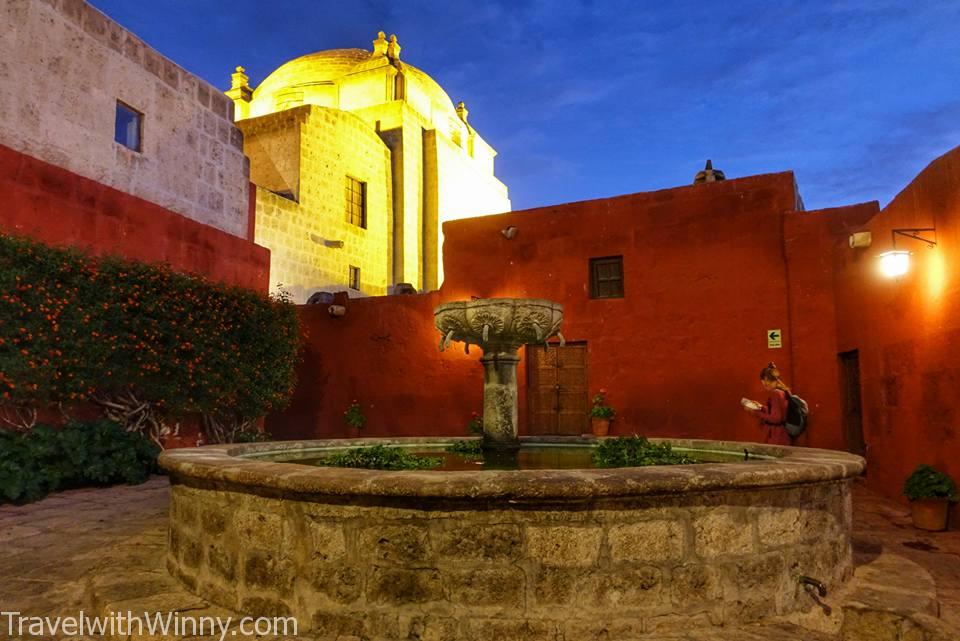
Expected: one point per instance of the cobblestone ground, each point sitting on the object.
(52, 551)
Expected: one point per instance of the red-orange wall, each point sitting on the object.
(809, 240)
(58, 207)
(907, 331)
(706, 269)
(705, 278)
(382, 353)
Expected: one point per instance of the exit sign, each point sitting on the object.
(774, 339)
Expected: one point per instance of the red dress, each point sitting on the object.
(773, 417)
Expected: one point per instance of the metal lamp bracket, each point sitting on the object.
(915, 233)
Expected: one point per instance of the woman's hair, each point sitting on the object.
(771, 374)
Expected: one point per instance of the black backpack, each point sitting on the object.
(797, 415)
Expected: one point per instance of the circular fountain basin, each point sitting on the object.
(530, 554)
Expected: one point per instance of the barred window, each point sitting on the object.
(355, 278)
(606, 277)
(356, 202)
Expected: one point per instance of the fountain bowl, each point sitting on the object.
(498, 324)
(532, 554)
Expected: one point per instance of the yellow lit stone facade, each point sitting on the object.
(328, 117)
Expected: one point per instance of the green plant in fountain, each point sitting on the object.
(354, 416)
(381, 457)
(636, 451)
(600, 409)
(927, 482)
(472, 449)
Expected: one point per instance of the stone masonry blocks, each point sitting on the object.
(368, 569)
(564, 546)
(647, 541)
(73, 127)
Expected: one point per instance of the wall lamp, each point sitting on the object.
(896, 262)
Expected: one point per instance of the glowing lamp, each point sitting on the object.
(894, 263)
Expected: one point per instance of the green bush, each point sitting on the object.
(78, 328)
(636, 451)
(44, 460)
(927, 482)
(380, 457)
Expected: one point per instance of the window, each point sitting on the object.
(606, 277)
(399, 87)
(355, 278)
(128, 130)
(356, 202)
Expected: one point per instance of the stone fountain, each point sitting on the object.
(499, 326)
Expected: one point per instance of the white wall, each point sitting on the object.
(63, 66)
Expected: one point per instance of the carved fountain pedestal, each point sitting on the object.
(500, 326)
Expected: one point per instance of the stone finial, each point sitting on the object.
(393, 48)
(462, 111)
(240, 93)
(380, 44)
(240, 80)
(708, 175)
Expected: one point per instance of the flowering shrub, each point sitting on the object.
(354, 416)
(600, 409)
(146, 343)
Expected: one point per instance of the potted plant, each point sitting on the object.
(601, 414)
(475, 426)
(930, 492)
(354, 417)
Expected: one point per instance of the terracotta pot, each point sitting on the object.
(600, 426)
(929, 514)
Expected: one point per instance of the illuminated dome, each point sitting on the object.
(344, 79)
(322, 67)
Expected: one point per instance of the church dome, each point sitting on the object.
(321, 67)
(316, 78)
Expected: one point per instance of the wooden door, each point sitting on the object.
(557, 389)
(852, 406)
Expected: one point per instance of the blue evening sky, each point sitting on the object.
(586, 99)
